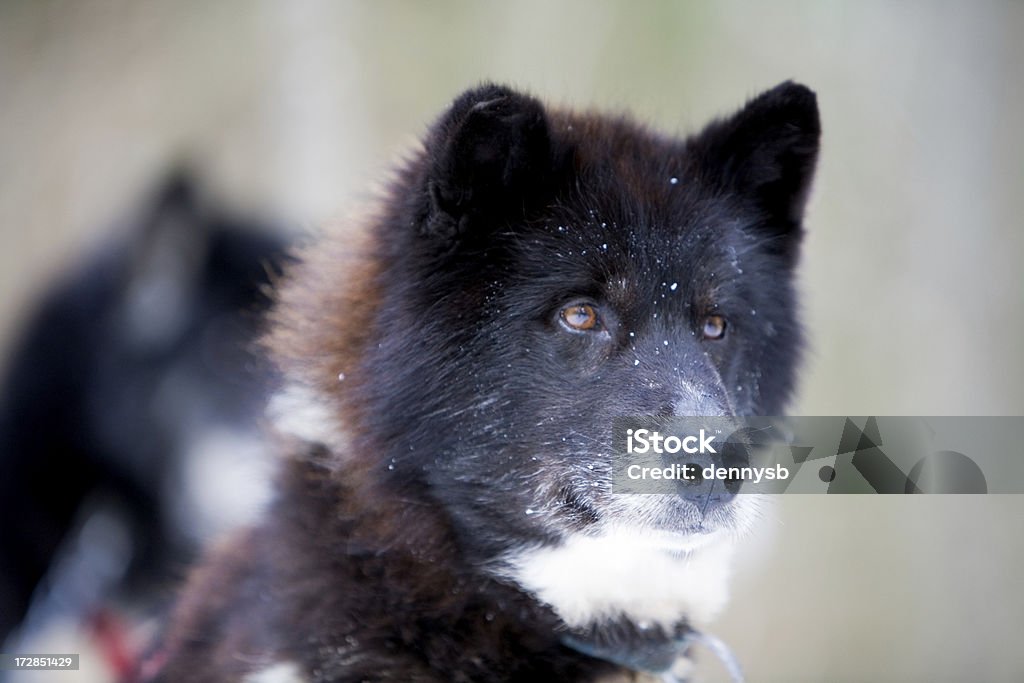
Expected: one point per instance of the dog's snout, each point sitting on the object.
(712, 473)
(699, 400)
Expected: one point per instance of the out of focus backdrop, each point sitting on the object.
(288, 113)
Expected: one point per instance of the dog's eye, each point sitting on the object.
(580, 317)
(714, 327)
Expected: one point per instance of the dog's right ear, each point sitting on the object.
(486, 156)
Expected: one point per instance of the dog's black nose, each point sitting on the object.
(712, 479)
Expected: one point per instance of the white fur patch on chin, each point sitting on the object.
(282, 672)
(588, 579)
(304, 413)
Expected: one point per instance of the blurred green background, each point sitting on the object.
(913, 292)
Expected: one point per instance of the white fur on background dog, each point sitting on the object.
(282, 672)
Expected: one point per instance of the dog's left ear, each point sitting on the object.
(766, 152)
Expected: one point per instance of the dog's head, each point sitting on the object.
(538, 273)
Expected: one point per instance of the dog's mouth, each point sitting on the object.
(679, 542)
(682, 534)
(663, 522)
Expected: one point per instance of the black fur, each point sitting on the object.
(491, 155)
(477, 421)
(98, 396)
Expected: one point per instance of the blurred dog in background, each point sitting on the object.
(129, 396)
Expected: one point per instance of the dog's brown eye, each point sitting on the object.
(714, 327)
(581, 317)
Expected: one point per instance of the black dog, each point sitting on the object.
(445, 512)
(134, 371)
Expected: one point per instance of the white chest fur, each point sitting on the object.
(588, 579)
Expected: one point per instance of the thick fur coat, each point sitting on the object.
(444, 512)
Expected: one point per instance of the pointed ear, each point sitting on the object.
(766, 152)
(167, 255)
(487, 156)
